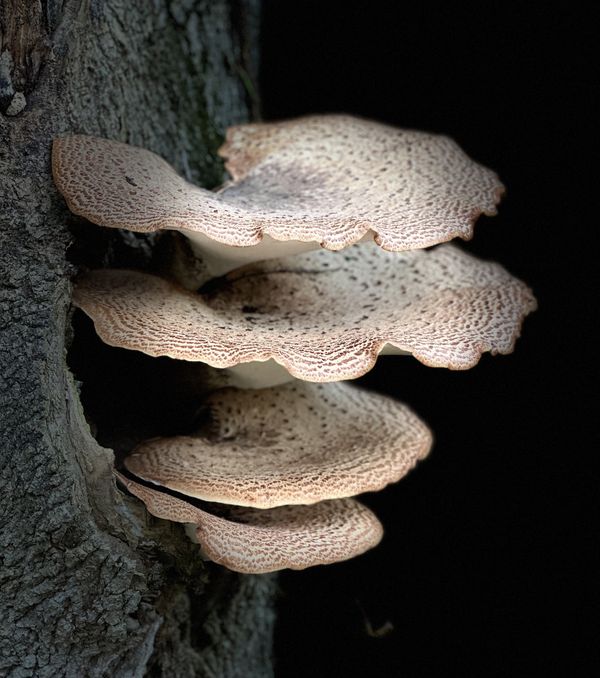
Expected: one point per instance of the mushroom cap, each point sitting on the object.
(254, 541)
(333, 178)
(328, 180)
(324, 316)
(295, 444)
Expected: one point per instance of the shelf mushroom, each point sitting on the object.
(255, 541)
(325, 180)
(295, 444)
(322, 316)
(285, 460)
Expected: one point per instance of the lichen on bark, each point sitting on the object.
(89, 586)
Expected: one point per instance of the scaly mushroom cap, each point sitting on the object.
(323, 316)
(324, 180)
(255, 541)
(335, 177)
(295, 444)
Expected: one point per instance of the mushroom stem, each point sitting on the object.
(191, 532)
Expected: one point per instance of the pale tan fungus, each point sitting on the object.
(296, 444)
(324, 180)
(255, 541)
(324, 316)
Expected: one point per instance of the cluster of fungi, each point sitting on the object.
(315, 254)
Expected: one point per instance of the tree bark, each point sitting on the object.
(88, 585)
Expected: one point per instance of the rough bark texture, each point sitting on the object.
(89, 587)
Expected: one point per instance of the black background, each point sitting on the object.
(484, 566)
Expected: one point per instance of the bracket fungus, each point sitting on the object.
(328, 180)
(282, 463)
(295, 444)
(323, 316)
(257, 541)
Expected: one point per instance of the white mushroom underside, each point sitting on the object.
(220, 258)
(256, 374)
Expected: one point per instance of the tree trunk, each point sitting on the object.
(88, 586)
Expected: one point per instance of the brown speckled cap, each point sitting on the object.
(324, 316)
(255, 541)
(327, 180)
(295, 444)
(345, 175)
